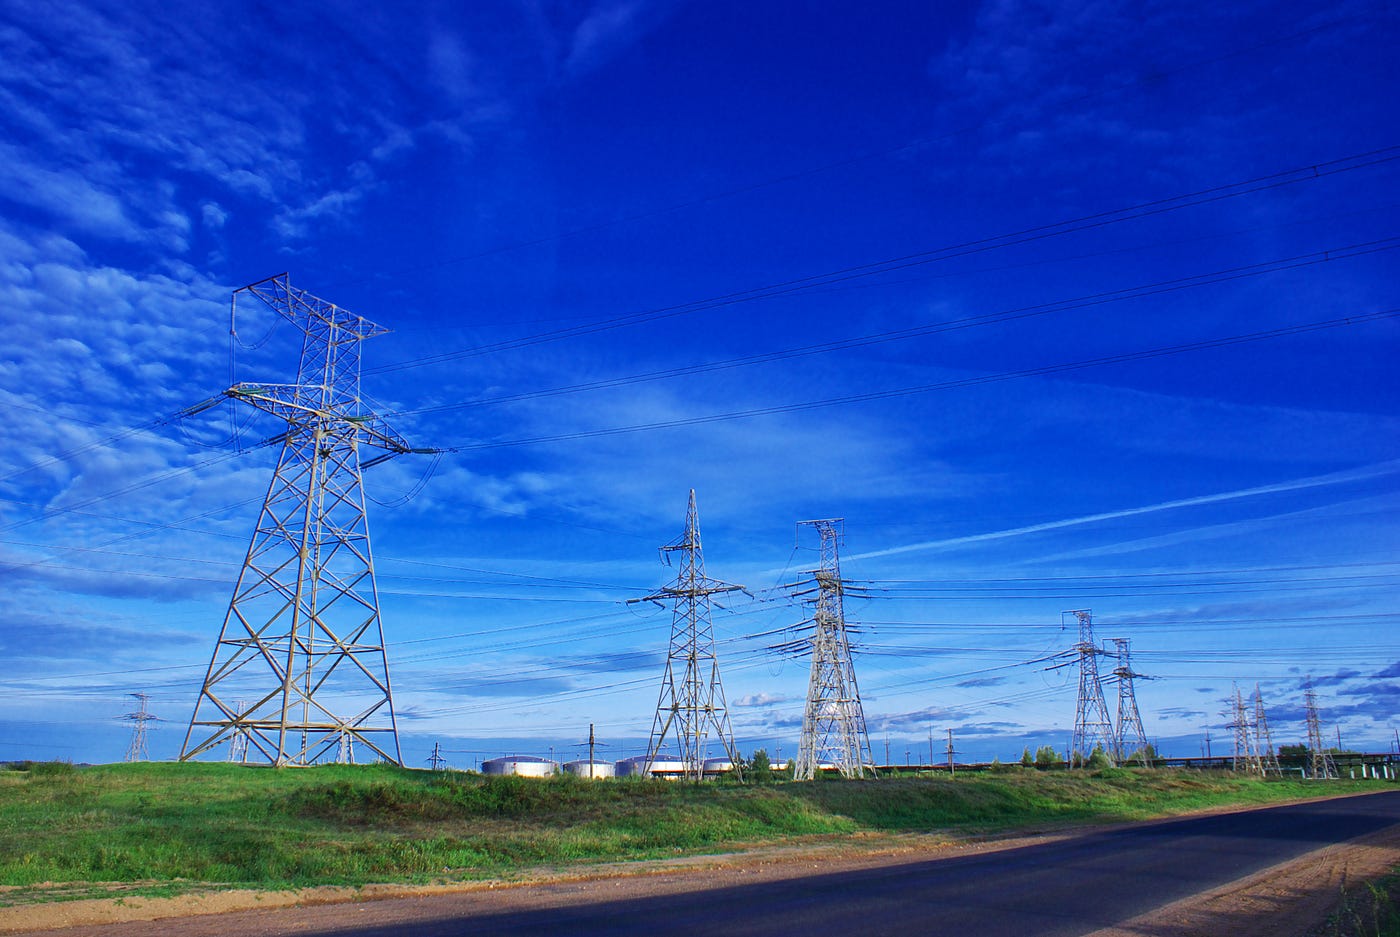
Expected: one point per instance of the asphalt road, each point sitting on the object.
(1068, 887)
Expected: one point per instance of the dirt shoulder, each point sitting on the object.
(1305, 890)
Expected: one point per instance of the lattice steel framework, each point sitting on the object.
(1092, 725)
(1321, 764)
(136, 749)
(1263, 738)
(691, 703)
(302, 639)
(833, 721)
(238, 741)
(1129, 726)
(1246, 757)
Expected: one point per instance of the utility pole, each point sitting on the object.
(435, 761)
(1091, 721)
(930, 746)
(1129, 719)
(691, 701)
(1263, 738)
(591, 743)
(887, 748)
(833, 720)
(136, 749)
(951, 769)
(1207, 744)
(1323, 767)
(302, 637)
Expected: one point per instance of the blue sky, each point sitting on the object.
(1059, 305)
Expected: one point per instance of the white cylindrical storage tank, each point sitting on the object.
(590, 769)
(662, 766)
(526, 766)
(714, 767)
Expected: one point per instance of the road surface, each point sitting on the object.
(1115, 881)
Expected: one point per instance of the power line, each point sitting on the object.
(1132, 78)
(1041, 371)
(974, 321)
(919, 258)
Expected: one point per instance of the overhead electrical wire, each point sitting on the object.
(1040, 371)
(919, 258)
(1108, 296)
(920, 331)
(1128, 79)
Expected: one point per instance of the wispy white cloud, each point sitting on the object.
(1317, 481)
(1218, 531)
(761, 700)
(608, 27)
(106, 107)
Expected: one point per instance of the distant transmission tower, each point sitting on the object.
(691, 702)
(1263, 738)
(1323, 767)
(435, 761)
(238, 741)
(1092, 725)
(833, 721)
(136, 750)
(1246, 758)
(1129, 719)
(302, 638)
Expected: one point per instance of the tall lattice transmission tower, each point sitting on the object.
(1129, 728)
(691, 704)
(1263, 738)
(238, 741)
(136, 749)
(1322, 766)
(1092, 725)
(302, 638)
(833, 721)
(1246, 757)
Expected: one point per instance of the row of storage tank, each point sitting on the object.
(663, 766)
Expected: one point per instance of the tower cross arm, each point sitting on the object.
(700, 587)
(289, 402)
(307, 311)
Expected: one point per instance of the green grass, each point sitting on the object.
(191, 825)
(1371, 909)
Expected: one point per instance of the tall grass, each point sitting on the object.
(228, 824)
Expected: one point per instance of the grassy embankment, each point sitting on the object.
(177, 827)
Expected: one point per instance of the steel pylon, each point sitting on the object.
(1129, 727)
(1092, 725)
(1263, 738)
(1322, 767)
(302, 639)
(833, 720)
(691, 703)
(1246, 757)
(136, 750)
